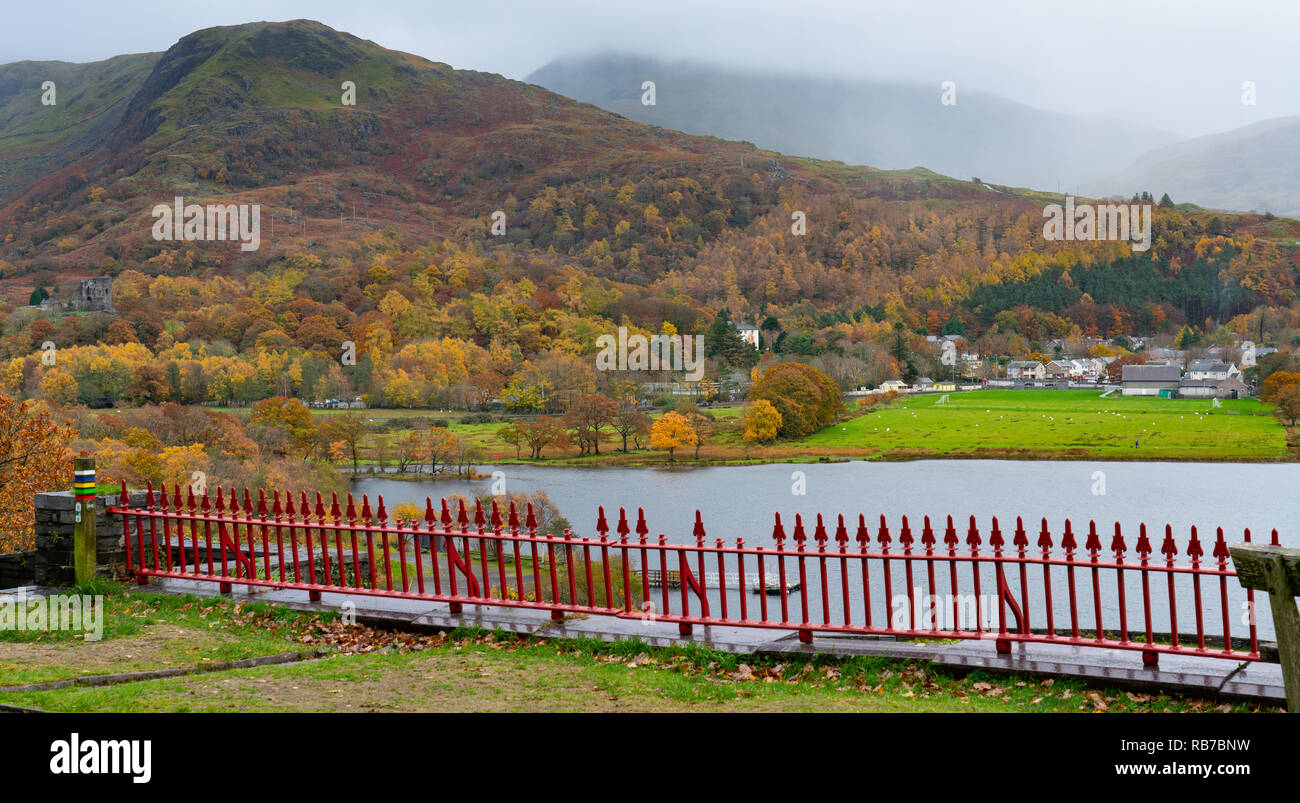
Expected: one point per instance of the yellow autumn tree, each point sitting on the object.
(672, 431)
(762, 422)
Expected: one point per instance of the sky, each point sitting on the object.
(1179, 65)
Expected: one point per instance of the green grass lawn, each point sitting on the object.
(365, 669)
(1065, 423)
(151, 631)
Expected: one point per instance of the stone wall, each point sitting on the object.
(54, 564)
(17, 569)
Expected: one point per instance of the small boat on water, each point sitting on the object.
(773, 586)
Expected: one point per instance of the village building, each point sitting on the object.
(748, 333)
(1151, 380)
(1026, 370)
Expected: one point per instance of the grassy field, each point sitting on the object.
(1024, 424)
(364, 669)
(1064, 423)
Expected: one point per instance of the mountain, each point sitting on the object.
(883, 124)
(1250, 168)
(89, 100)
(378, 222)
(253, 113)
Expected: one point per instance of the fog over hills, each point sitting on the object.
(889, 125)
(1253, 168)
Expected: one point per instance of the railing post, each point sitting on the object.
(1276, 570)
(83, 533)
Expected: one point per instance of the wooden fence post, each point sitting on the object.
(84, 553)
(1276, 570)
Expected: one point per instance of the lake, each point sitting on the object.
(739, 501)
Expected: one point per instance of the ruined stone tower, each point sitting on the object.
(94, 295)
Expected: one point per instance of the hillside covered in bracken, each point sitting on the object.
(376, 230)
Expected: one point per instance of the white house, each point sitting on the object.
(1212, 369)
(748, 333)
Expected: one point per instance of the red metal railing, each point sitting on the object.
(839, 583)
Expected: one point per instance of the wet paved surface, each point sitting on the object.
(1187, 675)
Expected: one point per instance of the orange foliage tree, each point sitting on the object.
(34, 457)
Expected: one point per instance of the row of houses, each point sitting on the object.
(1087, 369)
(1205, 379)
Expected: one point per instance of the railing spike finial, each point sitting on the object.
(1144, 543)
(905, 536)
(382, 512)
(927, 536)
(530, 520)
(799, 535)
(336, 511)
(320, 506)
(276, 510)
(261, 503)
(1067, 539)
(819, 533)
(841, 533)
(479, 518)
(698, 530)
(124, 498)
(622, 528)
(602, 526)
(1093, 542)
(778, 530)
(973, 536)
(148, 494)
(446, 515)
(1169, 547)
(1221, 549)
(1117, 544)
(1194, 550)
(882, 534)
(248, 502)
(1021, 538)
(462, 515)
(496, 516)
(288, 510)
(995, 538)
(950, 538)
(1045, 538)
(513, 520)
(162, 496)
(863, 537)
(366, 513)
(429, 516)
(177, 502)
(1275, 543)
(642, 528)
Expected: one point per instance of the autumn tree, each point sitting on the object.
(1287, 403)
(514, 435)
(806, 398)
(542, 432)
(349, 429)
(290, 417)
(1273, 385)
(762, 422)
(34, 457)
(672, 431)
(587, 417)
(630, 422)
(701, 422)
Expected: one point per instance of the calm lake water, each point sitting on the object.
(739, 501)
